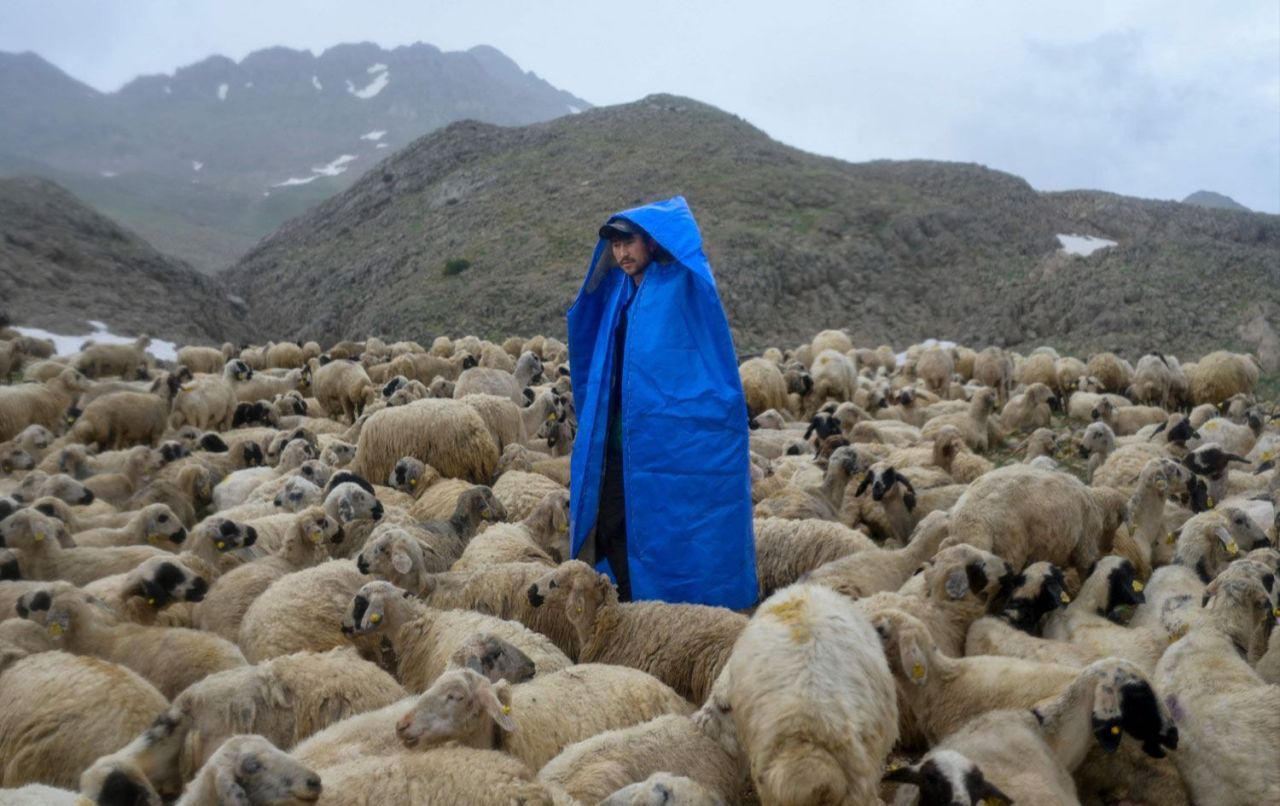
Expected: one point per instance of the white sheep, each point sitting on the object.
(879, 569)
(39, 540)
(300, 611)
(812, 699)
(250, 770)
(444, 775)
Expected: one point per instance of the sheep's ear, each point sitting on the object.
(904, 775)
(862, 485)
(401, 561)
(496, 700)
(912, 656)
(908, 497)
(229, 790)
(957, 584)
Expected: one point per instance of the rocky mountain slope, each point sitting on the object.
(208, 160)
(1207, 198)
(63, 264)
(893, 251)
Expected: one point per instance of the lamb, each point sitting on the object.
(895, 508)
(39, 538)
(443, 775)
(154, 524)
(636, 633)
(787, 548)
(823, 502)
(223, 608)
(1025, 514)
(878, 569)
(120, 419)
(975, 425)
(1128, 420)
(424, 639)
(1220, 375)
(1032, 754)
(994, 368)
(762, 385)
(301, 611)
(284, 700)
(142, 593)
(209, 401)
(1223, 707)
(250, 769)
(805, 742)
(27, 404)
(343, 388)
(447, 434)
(1029, 410)
(703, 747)
(207, 360)
(84, 625)
(1088, 620)
(551, 712)
(63, 711)
(1081, 404)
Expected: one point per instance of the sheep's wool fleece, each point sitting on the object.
(684, 426)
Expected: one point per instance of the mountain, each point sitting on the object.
(206, 161)
(1207, 198)
(894, 251)
(63, 264)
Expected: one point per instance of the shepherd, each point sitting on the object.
(661, 486)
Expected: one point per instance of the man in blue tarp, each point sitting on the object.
(661, 490)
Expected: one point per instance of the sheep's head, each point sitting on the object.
(35, 438)
(494, 658)
(225, 535)
(394, 555)
(14, 458)
(1210, 460)
(478, 504)
(1111, 584)
(376, 606)
(1034, 593)
(581, 590)
(1124, 702)
(295, 453)
(1245, 531)
(824, 425)
(549, 523)
(297, 494)
(409, 474)
(983, 403)
(9, 568)
(960, 571)
(237, 371)
(882, 479)
(116, 779)
(908, 645)
(60, 486)
(32, 530)
(173, 450)
(312, 538)
(61, 608)
(160, 581)
(338, 454)
(250, 769)
(1241, 609)
(161, 526)
(461, 705)
(947, 777)
(348, 501)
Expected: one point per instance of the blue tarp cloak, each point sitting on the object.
(684, 425)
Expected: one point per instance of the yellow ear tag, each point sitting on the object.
(917, 672)
(893, 766)
(506, 709)
(151, 601)
(1171, 538)
(578, 610)
(1065, 598)
(187, 387)
(153, 539)
(39, 536)
(1115, 730)
(1137, 586)
(55, 629)
(1210, 502)
(1232, 548)
(1275, 611)
(413, 482)
(551, 416)
(374, 618)
(316, 534)
(221, 545)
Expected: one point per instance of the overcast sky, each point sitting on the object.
(1153, 98)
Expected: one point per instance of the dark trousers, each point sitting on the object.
(611, 526)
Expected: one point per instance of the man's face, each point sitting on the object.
(632, 254)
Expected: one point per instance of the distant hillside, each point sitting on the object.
(62, 264)
(1207, 198)
(208, 160)
(894, 251)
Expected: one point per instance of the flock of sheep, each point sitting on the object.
(271, 575)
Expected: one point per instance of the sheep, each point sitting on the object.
(703, 747)
(1128, 420)
(206, 360)
(812, 699)
(1029, 410)
(142, 593)
(446, 434)
(787, 548)
(443, 775)
(1033, 753)
(155, 525)
(502, 417)
(896, 507)
(1233, 438)
(45, 404)
(834, 377)
(486, 380)
(209, 401)
(225, 604)
(1088, 620)
(39, 537)
(63, 711)
(84, 625)
(948, 453)
(37, 484)
(251, 770)
(536, 720)
(1152, 381)
(634, 633)
(1211, 461)
(818, 502)
(762, 385)
(285, 700)
(300, 611)
(1220, 375)
(935, 367)
(541, 537)
(661, 788)
(1081, 404)
(994, 368)
(1025, 514)
(520, 492)
(266, 387)
(1038, 590)
(974, 425)
(127, 361)
(423, 639)
(877, 569)
(121, 419)
(343, 388)
(1159, 479)
(1112, 372)
(1222, 706)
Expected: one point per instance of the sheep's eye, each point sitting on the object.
(163, 519)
